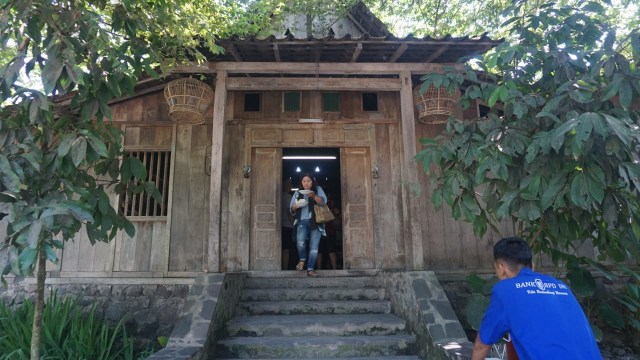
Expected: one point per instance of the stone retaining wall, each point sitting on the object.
(150, 306)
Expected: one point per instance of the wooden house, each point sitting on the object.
(345, 90)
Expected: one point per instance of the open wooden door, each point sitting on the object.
(359, 248)
(264, 244)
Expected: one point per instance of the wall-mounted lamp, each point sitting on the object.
(246, 171)
(375, 172)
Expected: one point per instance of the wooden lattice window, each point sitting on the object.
(158, 165)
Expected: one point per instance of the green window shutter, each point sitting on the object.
(331, 102)
(291, 100)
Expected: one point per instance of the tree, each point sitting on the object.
(558, 152)
(59, 153)
(439, 18)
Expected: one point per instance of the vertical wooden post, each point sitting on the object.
(217, 135)
(410, 208)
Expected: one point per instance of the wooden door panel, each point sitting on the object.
(264, 245)
(359, 249)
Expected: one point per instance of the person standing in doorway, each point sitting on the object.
(288, 243)
(541, 315)
(304, 225)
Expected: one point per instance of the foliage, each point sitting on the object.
(438, 18)
(557, 153)
(68, 333)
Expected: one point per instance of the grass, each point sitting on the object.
(68, 332)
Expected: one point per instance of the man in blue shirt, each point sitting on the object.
(543, 318)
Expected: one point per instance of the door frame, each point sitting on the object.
(291, 135)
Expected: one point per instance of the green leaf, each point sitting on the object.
(610, 316)
(33, 235)
(137, 168)
(585, 125)
(51, 253)
(579, 191)
(495, 95)
(505, 201)
(582, 282)
(27, 260)
(52, 70)
(104, 205)
(129, 228)
(619, 128)
(78, 150)
(33, 159)
(98, 146)
(80, 214)
(8, 177)
(475, 309)
(625, 94)
(65, 144)
(555, 185)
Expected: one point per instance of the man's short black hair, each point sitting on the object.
(513, 250)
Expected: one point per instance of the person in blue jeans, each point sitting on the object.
(304, 225)
(540, 313)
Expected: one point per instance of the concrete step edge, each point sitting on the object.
(313, 307)
(400, 357)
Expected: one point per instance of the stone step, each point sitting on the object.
(312, 294)
(313, 307)
(395, 357)
(274, 274)
(332, 347)
(306, 282)
(318, 325)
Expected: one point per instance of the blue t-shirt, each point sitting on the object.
(543, 317)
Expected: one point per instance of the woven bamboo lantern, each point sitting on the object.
(188, 100)
(436, 104)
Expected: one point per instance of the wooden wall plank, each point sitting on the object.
(236, 211)
(395, 149)
(159, 247)
(385, 208)
(143, 241)
(217, 136)
(413, 234)
(264, 246)
(180, 255)
(357, 207)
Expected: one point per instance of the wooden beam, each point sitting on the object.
(399, 51)
(276, 51)
(302, 84)
(328, 68)
(215, 194)
(436, 54)
(409, 175)
(234, 52)
(356, 53)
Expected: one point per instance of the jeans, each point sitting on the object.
(304, 228)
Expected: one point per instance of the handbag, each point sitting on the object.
(323, 214)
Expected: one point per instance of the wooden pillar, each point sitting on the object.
(217, 135)
(410, 206)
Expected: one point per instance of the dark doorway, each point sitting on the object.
(324, 164)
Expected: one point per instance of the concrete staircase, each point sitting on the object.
(342, 315)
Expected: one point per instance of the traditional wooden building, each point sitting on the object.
(344, 92)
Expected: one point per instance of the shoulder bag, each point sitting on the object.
(323, 214)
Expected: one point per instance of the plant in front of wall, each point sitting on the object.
(477, 304)
(68, 332)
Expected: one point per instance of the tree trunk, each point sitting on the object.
(37, 315)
